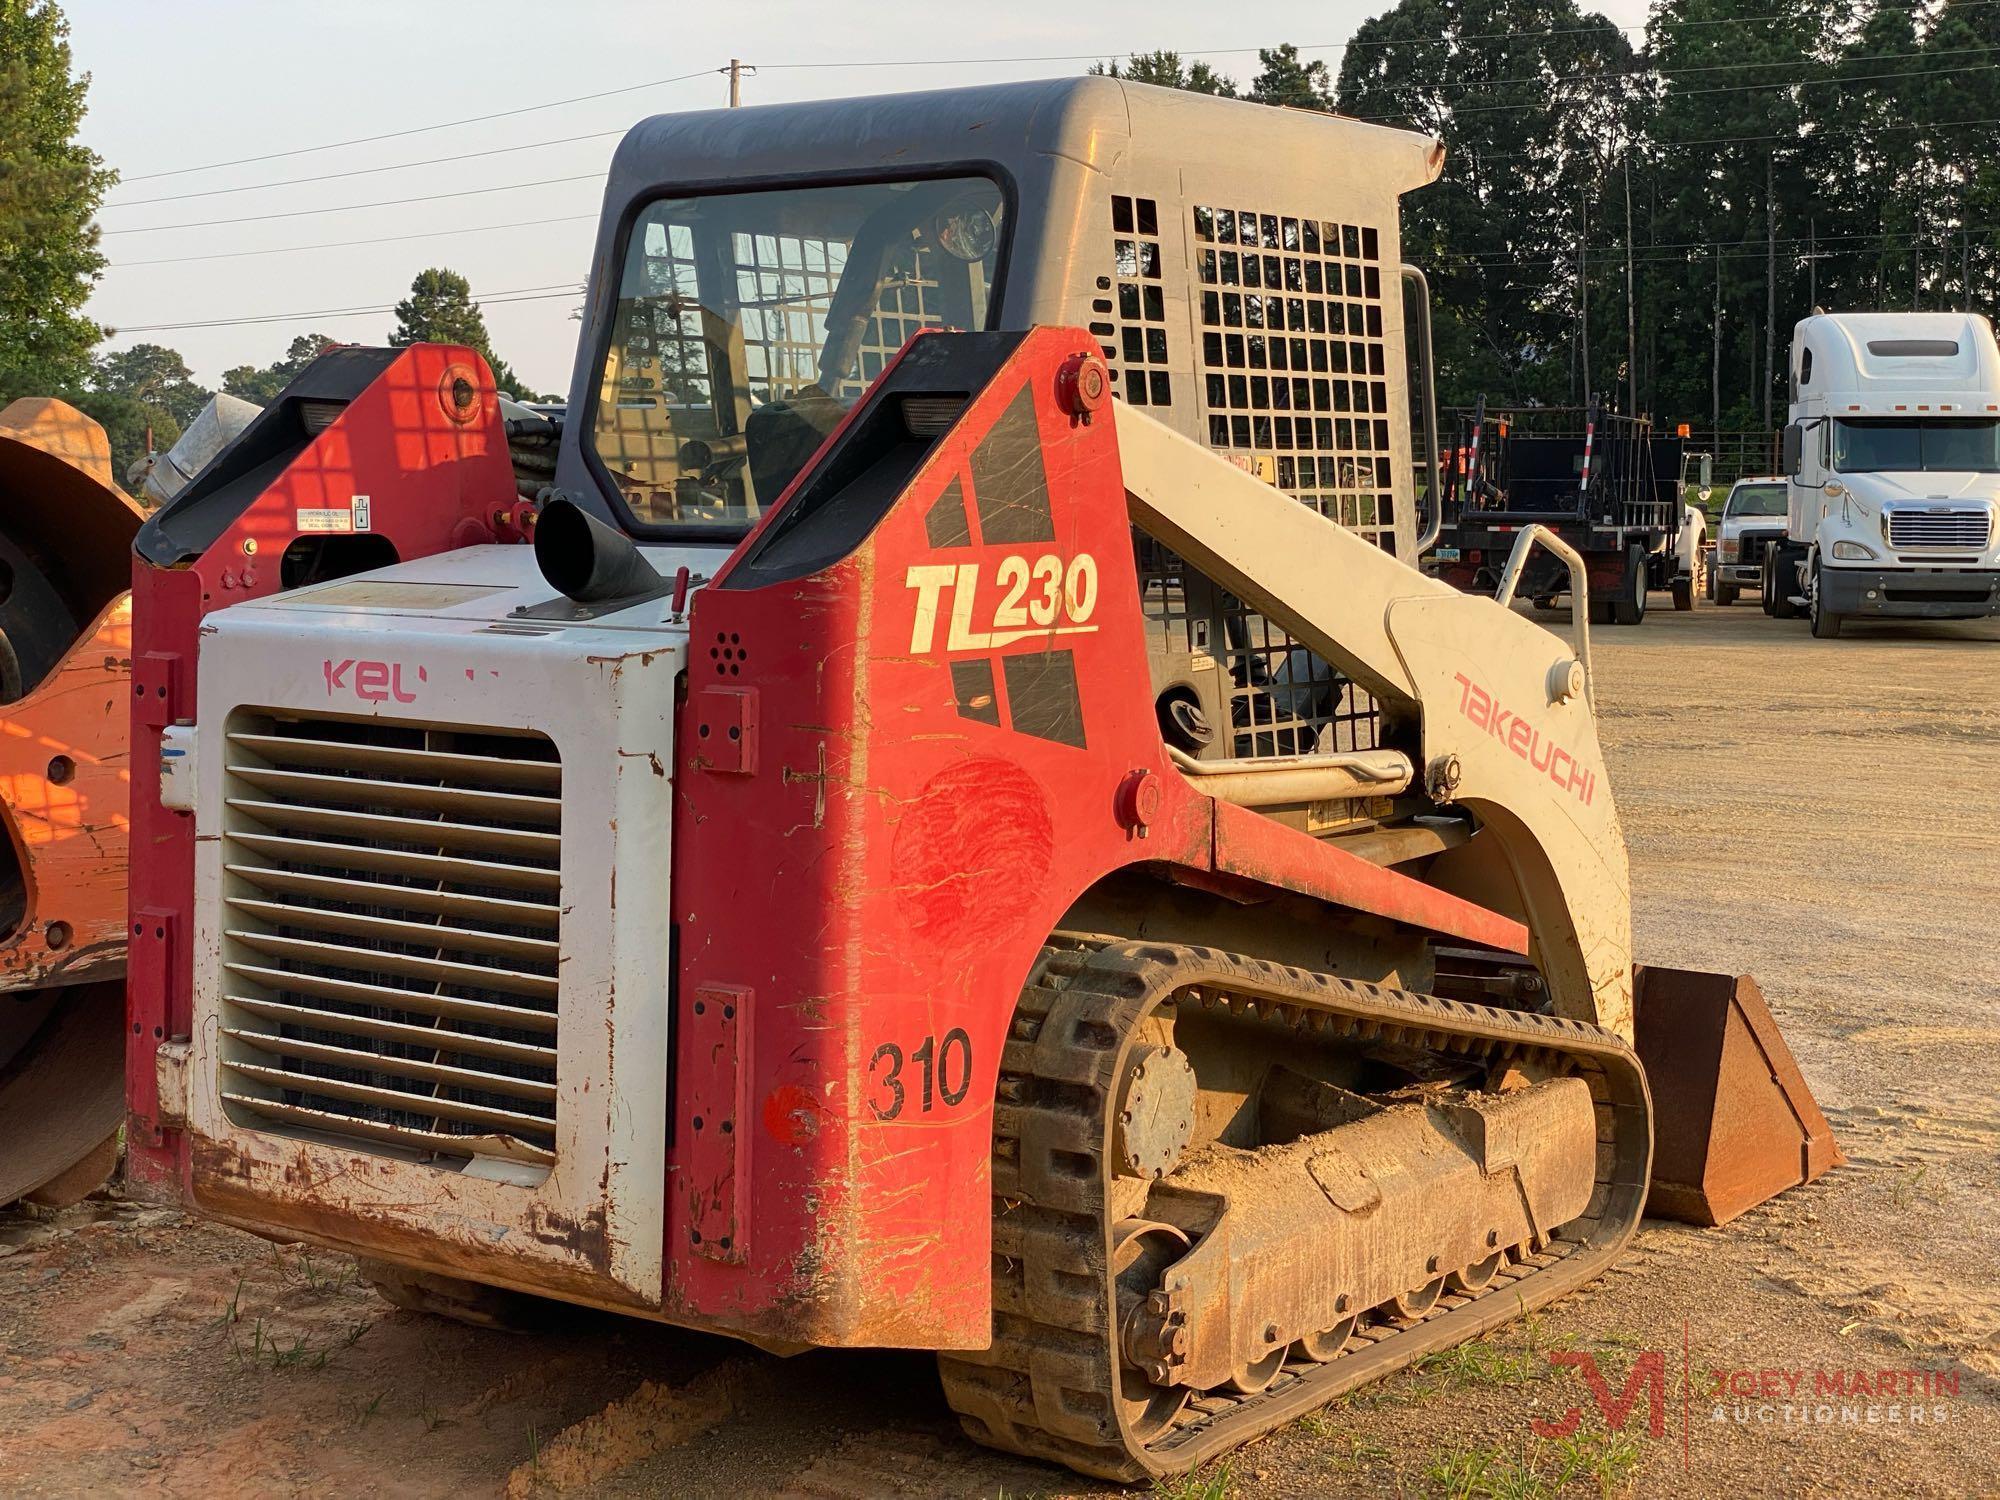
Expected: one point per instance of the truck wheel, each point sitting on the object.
(1725, 593)
(1825, 624)
(1777, 591)
(1711, 587)
(1683, 590)
(1628, 606)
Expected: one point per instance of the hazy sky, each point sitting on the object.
(203, 82)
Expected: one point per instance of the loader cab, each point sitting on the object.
(1238, 265)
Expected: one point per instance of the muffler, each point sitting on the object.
(1733, 1121)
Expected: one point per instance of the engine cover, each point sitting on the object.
(431, 1020)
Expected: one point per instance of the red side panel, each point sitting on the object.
(424, 451)
(895, 775)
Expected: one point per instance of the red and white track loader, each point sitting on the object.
(976, 841)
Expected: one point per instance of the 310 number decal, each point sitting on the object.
(946, 1068)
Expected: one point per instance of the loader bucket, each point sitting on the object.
(65, 701)
(1733, 1120)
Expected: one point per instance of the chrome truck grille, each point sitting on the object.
(1920, 529)
(390, 937)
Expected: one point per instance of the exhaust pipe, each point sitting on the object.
(589, 562)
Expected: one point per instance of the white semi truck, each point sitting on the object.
(1892, 463)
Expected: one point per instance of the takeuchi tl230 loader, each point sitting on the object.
(971, 840)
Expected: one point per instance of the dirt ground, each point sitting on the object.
(1825, 815)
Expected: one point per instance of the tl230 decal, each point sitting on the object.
(1028, 597)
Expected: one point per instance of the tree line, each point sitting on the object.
(50, 189)
(1638, 219)
(1643, 220)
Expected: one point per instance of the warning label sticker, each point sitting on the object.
(335, 518)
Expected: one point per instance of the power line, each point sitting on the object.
(1649, 71)
(1655, 71)
(399, 166)
(1199, 53)
(1817, 134)
(1743, 88)
(385, 239)
(392, 135)
(348, 208)
(1745, 249)
(496, 299)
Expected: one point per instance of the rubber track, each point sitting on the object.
(1044, 1388)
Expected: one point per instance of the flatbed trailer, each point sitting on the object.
(1605, 484)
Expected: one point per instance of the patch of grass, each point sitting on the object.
(317, 1279)
(1909, 1185)
(1203, 1484)
(433, 1420)
(234, 1309)
(1539, 1470)
(267, 1349)
(1481, 1363)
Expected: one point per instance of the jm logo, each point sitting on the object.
(1649, 1375)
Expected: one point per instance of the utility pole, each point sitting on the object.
(735, 83)
(1583, 292)
(1631, 314)
(1770, 278)
(1715, 372)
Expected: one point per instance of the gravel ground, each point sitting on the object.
(1825, 815)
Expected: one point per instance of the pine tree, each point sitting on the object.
(1166, 70)
(262, 386)
(440, 310)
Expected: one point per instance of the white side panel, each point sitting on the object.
(591, 1229)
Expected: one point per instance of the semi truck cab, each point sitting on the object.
(1892, 459)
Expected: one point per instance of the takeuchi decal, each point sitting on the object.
(1484, 711)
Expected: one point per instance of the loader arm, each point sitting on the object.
(1506, 728)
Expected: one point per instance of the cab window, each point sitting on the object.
(748, 323)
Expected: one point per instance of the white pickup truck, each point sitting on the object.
(1753, 518)
(1892, 460)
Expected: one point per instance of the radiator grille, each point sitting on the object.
(1954, 528)
(391, 932)
(1754, 544)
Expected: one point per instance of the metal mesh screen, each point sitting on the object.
(1292, 386)
(784, 288)
(1293, 358)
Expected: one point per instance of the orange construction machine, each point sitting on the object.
(65, 687)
